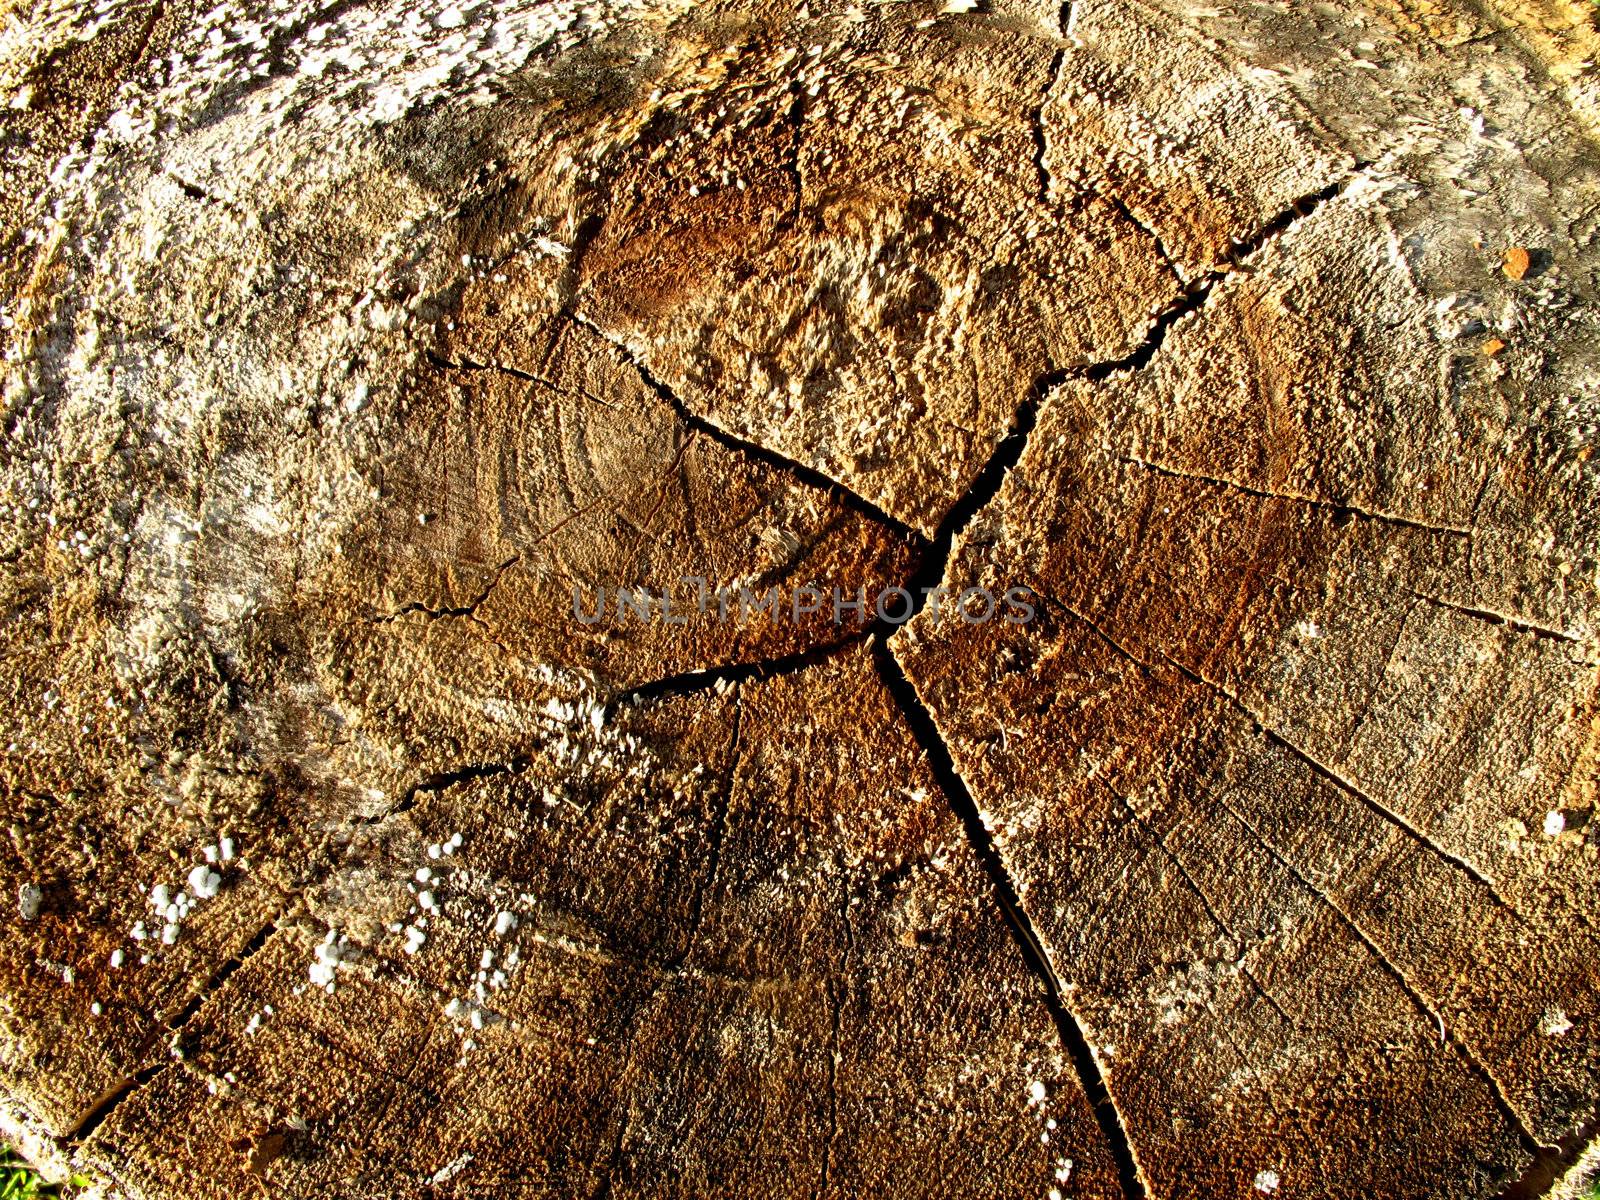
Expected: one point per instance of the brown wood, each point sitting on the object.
(1256, 342)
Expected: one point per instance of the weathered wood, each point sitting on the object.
(343, 344)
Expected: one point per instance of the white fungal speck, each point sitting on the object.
(330, 952)
(1267, 1181)
(1555, 823)
(116, 958)
(204, 882)
(29, 898)
(96, 1009)
(1036, 1092)
(1554, 1023)
(504, 923)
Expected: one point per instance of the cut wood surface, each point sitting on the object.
(348, 345)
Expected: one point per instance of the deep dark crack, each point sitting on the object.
(1070, 1031)
(1198, 291)
(441, 780)
(689, 682)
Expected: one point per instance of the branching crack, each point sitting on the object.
(932, 563)
(1413, 993)
(1198, 291)
(754, 450)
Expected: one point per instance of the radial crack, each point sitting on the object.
(1521, 624)
(109, 1101)
(1366, 514)
(1041, 139)
(226, 971)
(97, 1113)
(441, 780)
(1349, 787)
(687, 683)
(750, 449)
(1501, 1102)
(1144, 227)
(1037, 958)
(469, 365)
(1205, 903)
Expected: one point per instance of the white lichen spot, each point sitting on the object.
(1267, 1181)
(29, 898)
(1555, 823)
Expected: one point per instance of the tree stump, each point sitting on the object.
(388, 388)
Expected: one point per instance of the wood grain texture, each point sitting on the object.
(343, 343)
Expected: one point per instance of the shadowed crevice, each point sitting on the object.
(1552, 1162)
(97, 1113)
(441, 780)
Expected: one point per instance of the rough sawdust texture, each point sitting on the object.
(342, 344)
